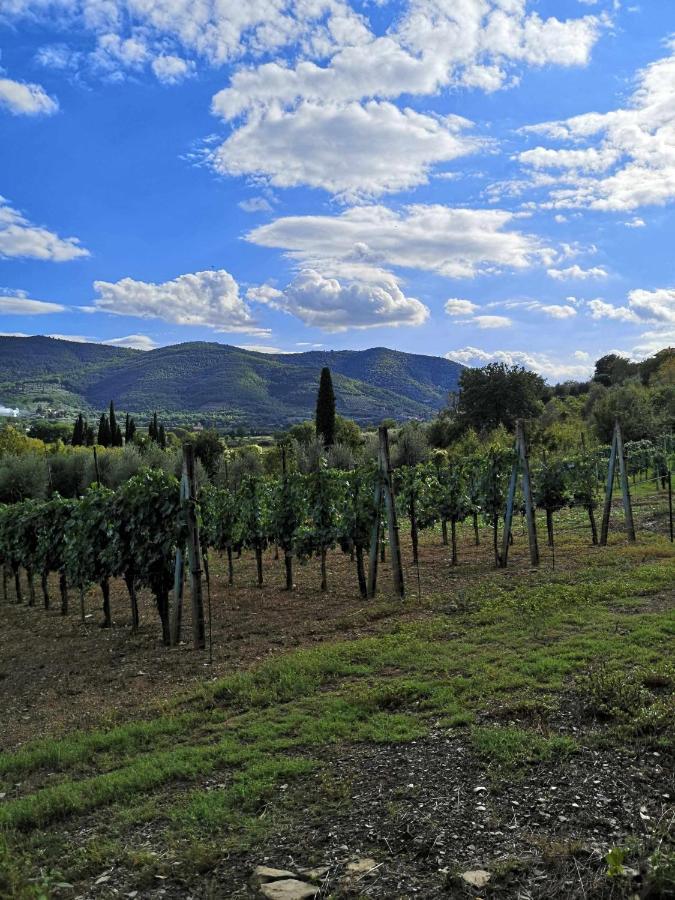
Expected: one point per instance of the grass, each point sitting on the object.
(210, 762)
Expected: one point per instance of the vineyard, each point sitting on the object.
(139, 532)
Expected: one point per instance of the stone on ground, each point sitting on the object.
(288, 889)
(267, 873)
(476, 877)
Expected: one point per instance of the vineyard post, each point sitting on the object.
(527, 494)
(388, 490)
(510, 499)
(670, 503)
(179, 576)
(194, 551)
(375, 537)
(607, 509)
(627, 506)
(288, 553)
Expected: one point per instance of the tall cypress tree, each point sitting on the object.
(129, 430)
(325, 409)
(161, 437)
(104, 436)
(78, 432)
(89, 436)
(112, 419)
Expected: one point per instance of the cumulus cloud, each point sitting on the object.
(23, 99)
(578, 273)
(643, 306)
(20, 238)
(350, 150)
(558, 311)
(549, 368)
(454, 242)
(456, 307)
(620, 160)
(19, 304)
(335, 305)
(171, 69)
(209, 299)
(261, 348)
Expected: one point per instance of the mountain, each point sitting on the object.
(221, 384)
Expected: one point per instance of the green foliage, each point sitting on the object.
(325, 409)
(89, 531)
(498, 394)
(23, 477)
(550, 491)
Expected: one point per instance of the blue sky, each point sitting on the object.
(483, 179)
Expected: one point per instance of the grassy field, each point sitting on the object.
(518, 722)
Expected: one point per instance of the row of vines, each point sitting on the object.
(133, 533)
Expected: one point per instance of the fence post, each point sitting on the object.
(670, 503)
(627, 506)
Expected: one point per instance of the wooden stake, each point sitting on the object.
(179, 576)
(521, 464)
(607, 509)
(390, 505)
(194, 551)
(627, 505)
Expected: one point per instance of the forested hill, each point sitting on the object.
(221, 383)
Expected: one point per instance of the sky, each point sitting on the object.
(477, 179)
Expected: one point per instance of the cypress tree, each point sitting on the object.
(78, 432)
(113, 425)
(129, 430)
(89, 435)
(162, 437)
(104, 436)
(325, 409)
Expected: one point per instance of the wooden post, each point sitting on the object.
(527, 494)
(670, 503)
(194, 551)
(375, 539)
(390, 504)
(510, 499)
(521, 463)
(607, 509)
(627, 505)
(179, 576)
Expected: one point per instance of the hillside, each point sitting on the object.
(221, 383)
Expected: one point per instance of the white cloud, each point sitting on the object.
(21, 305)
(20, 238)
(171, 69)
(335, 305)
(22, 99)
(261, 348)
(456, 307)
(637, 222)
(134, 341)
(549, 368)
(208, 298)
(656, 305)
(350, 150)
(255, 204)
(576, 272)
(600, 309)
(557, 311)
(454, 242)
(643, 306)
(484, 322)
(621, 160)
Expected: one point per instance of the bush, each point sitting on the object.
(23, 478)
